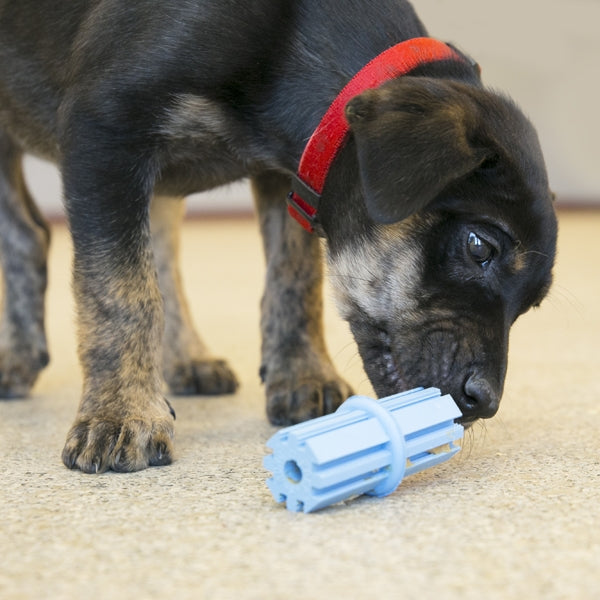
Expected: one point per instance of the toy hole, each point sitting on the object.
(292, 471)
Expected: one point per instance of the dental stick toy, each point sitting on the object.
(365, 447)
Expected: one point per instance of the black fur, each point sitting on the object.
(144, 99)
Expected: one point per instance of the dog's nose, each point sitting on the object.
(481, 399)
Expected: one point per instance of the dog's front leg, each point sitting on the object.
(301, 381)
(124, 423)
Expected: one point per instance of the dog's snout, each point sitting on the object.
(481, 399)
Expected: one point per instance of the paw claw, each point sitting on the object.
(95, 445)
(171, 410)
(161, 456)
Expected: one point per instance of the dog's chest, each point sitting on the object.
(204, 144)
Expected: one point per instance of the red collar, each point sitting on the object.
(331, 133)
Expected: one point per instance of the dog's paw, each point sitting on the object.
(206, 377)
(106, 441)
(313, 395)
(19, 371)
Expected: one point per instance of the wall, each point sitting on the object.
(545, 53)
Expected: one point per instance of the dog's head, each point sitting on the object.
(448, 238)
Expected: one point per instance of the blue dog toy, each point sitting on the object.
(366, 447)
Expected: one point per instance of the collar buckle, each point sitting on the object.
(303, 204)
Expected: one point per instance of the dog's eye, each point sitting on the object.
(480, 250)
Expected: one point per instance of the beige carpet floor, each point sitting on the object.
(515, 515)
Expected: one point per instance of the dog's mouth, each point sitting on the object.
(392, 377)
(376, 350)
(387, 377)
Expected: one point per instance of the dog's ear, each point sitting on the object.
(414, 136)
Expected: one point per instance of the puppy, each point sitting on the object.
(436, 211)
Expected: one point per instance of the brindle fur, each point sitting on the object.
(301, 382)
(143, 102)
(24, 241)
(188, 367)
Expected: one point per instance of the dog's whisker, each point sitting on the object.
(535, 252)
(561, 294)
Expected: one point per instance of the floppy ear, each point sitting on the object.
(412, 137)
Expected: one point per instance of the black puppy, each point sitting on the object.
(436, 210)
